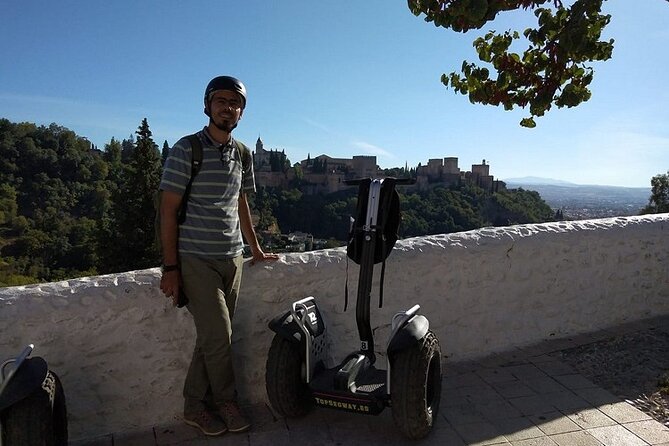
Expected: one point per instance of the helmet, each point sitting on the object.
(224, 83)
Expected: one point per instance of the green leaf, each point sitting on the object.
(528, 122)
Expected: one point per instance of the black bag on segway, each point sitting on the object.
(385, 231)
(387, 224)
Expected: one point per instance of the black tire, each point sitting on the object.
(39, 419)
(288, 393)
(415, 388)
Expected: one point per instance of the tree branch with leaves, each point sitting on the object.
(553, 70)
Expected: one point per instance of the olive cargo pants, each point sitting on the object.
(212, 287)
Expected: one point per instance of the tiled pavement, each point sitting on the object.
(524, 398)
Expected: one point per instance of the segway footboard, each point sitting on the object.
(367, 395)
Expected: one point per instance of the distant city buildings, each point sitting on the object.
(324, 174)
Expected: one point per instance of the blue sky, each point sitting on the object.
(335, 77)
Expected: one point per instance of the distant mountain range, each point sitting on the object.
(538, 180)
(585, 201)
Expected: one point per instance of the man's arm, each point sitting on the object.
(169, 227)
(249, 233)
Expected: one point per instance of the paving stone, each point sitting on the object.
(526, 372)
(496, 375)
(532, 405)
(463, 367)
(274, 438)
(575, 381)
(483, 392)
(555, 368)
(144, 437)
(445, 436)
(616, 436)
(451, 397)
(465, 414)
(480, 434)
(544, 385)
(520, 428)
(309, 435)
(581, 438)
(650, 431)
(540, 359)
(623, 412)
(361, 434)
(541, 441)
(104, 440)
(503, 359)
(559, 344)
(462, 380)
(597, 396)
(383, 431)
(554, 423)
(498, 410)
(263, 419)
(513, 389)
(536, 352)
(589, 418)
(175, 433)
(566, 401)
(228, 439)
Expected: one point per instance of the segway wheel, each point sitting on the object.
(415, 388)
(284, 379)
(40, 419)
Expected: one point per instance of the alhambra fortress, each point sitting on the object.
(324, 174)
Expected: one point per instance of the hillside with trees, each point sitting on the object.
(68, 209)
(436, 211)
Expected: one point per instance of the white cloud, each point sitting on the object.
(320, 126)
(368, 148)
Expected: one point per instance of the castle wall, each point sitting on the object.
(122, 350)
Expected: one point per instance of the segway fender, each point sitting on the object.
(285, 326)
(27, 378)
(410, 333)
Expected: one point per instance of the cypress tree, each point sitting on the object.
(134, 205)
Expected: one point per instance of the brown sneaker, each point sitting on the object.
(208, 423)
(233, 417)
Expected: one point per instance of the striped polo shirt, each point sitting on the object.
(211, 228)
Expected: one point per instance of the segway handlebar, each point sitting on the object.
(17, 363)
(398, 181)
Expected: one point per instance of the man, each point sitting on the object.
(202, 256)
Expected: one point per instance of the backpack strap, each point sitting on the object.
(386, 208)
(195, 165)
(241, 151)
(196, 155)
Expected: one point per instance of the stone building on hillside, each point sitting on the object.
(446, 172)
(480, 175)
(439, 171)
(265, 175)
(324, 174)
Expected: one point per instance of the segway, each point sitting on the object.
(297, 376)
(32, 403)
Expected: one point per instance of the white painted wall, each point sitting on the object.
(121, 350)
